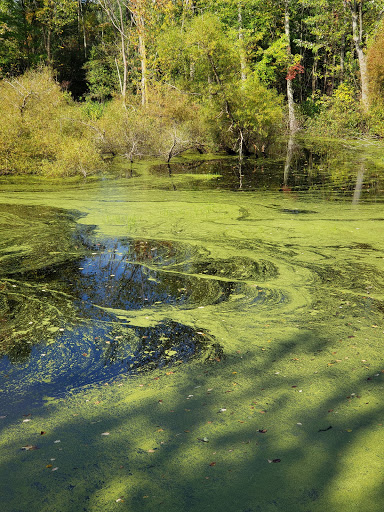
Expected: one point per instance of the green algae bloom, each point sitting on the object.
(196, 340)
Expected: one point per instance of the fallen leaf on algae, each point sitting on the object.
(29, 447)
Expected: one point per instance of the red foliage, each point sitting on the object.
(294, 70)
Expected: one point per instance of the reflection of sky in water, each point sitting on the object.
(112, 278)
(89, 353)
(86, 342)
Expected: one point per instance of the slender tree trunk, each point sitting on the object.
(291, 104)
(26, 34)
(123, 55)
(357, 34)
(243, 60)
(81, 26)
(49, 56)
(143, 59)
(314, 73)
(325, 73)
(342, 58)
(333, 73)
(117, 20)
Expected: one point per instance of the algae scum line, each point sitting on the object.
(193, 341)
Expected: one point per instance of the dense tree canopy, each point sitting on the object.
(232, 64)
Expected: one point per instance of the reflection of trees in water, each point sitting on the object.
(35, 308)
(135, 274)
(297, 164)
(359, 184)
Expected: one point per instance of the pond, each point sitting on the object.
(173, 335)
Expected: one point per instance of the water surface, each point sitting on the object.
(257, 288)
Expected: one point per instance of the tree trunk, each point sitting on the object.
(117, 20)
(123, 84)
(48, 47)
(314, 73)
(291, 104)
(342, 58)
(143, 59)
(81, 26)
(357, 34)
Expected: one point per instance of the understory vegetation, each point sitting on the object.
(81, 81)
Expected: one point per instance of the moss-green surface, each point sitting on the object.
(305, 358)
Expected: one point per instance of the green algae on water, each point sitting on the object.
(280, 290)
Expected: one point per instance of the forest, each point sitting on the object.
(85, 80)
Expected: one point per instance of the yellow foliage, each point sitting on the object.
(41, 131)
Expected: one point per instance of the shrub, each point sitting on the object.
(339, 115)
(41, 128)
(248, 109)
(167, 126)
